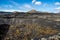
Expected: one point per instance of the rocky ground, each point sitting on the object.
(29, 29)
(21, 26)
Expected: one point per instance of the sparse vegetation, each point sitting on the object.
(28, 31)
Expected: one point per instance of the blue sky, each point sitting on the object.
(26, 5)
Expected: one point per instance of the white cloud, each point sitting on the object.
(57, 10)
(38, 3)
(33, 1)
(57, 3)
(27, 6)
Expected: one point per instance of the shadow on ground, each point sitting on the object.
(3, 30)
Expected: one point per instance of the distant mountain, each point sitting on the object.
(23, 14)
(2, 12)
(33, 11)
